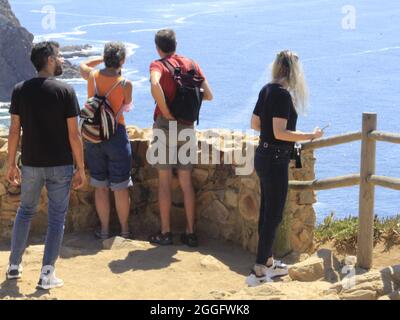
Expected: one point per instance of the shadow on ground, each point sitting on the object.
(160, 257)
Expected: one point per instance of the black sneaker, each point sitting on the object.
(190, 240)
(162, 239)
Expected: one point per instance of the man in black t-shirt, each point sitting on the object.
(46, 109)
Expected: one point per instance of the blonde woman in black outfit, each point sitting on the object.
(275, 116)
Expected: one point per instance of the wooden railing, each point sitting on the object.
(366, 179)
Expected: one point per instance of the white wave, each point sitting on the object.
(5, 118)
(114, 23)
(147, 30)
(129, 73)
(183, 19)
(74, 81)
(360, 53)
(61, 35)
(77, 14)
(91, 51)
(77, 31)
(75, 58)
(373, 51)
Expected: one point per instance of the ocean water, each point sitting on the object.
(349, 70)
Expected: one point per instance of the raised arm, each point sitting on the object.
(88, 66)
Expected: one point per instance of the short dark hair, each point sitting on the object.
(114, 53)
(41, 52)
(166, 40)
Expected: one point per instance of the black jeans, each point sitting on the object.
(272, 167)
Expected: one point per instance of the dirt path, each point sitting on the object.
(146, 272)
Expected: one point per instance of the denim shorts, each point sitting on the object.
(110, 162)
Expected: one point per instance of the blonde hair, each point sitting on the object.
(287, 69)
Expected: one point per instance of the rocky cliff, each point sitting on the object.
(15, 48)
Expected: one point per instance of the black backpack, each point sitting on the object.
(189, 96)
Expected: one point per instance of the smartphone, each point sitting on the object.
(326, 127)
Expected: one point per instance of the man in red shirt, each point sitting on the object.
(163, 89)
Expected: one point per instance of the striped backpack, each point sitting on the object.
(98, 121)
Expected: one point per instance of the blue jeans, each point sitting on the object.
(58, 183)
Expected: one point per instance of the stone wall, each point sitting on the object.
(227, 204)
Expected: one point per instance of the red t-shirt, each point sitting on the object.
(167, 82)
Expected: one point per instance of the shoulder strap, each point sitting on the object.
(169, 66)
(113, 88)
(194, 67)
(93, 74)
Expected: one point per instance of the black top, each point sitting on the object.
(44, 105)
(275, 102)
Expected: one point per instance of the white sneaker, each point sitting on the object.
(253, 280)
(278, 269)
(14, 272)
(48, 279)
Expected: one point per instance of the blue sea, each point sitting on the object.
(350, 50)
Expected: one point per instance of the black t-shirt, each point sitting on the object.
(44, 105)
(275, 102)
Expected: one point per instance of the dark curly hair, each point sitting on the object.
(114, 54)
(41, 52)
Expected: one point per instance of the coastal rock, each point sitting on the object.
(15, 49)
(70, 71)
(359, 295)
(79, 51)
(310, 270)
(370, 285)
(118, 243)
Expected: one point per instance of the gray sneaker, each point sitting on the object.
(258, 276)
(14, 272)
(48, 279)
(278, 269)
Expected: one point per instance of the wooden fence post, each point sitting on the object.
(365, 243)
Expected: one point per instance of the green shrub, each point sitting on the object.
(343, 233)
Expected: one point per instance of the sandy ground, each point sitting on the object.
(147, 272)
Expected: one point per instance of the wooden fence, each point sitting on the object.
(366, 179)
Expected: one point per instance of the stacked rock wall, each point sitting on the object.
(227, 203)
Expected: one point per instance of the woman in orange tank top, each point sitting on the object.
(110, 161)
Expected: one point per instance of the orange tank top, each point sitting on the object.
(104, 84)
